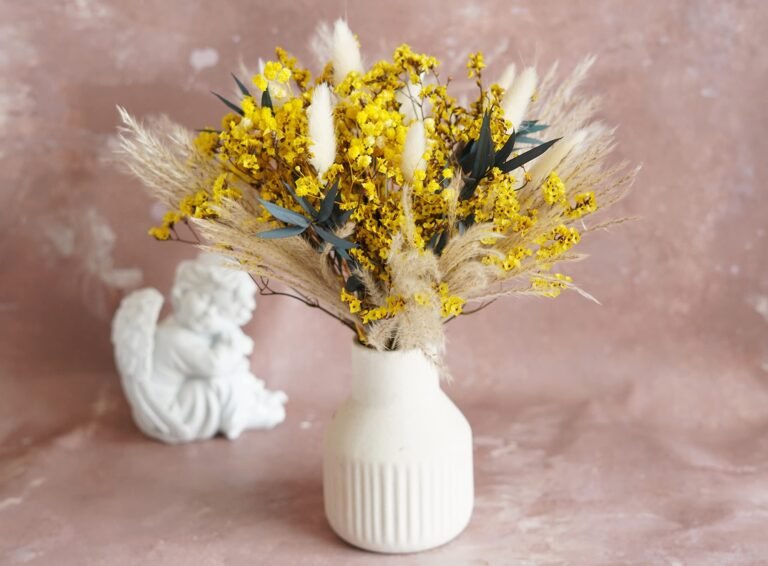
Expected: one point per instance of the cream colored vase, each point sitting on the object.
(398, 457)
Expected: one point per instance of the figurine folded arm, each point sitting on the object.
(203, 358)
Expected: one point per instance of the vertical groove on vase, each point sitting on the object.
(409, 506)
(401, 504)
(366, 503)
(438, 490)
(356, 479)
(387, 504)
(424, 496)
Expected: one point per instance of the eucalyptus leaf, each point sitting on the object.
(333, 239)
(341, 217)
(527, 156)
(326, 207)
(301, 200)
(484, 148)
(286, 232)
(266, 99)
(468, 189)
(467, 155)
(528, 140)
(506, 150)
(353, 284)
(287, 216)
(533, 128)
(433, 240)
(241, 86)
(230, 105)
(441, 243)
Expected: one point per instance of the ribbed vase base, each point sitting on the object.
(399, 508)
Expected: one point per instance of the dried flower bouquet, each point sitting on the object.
(375, 196)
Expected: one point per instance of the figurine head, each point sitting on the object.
(208, 295)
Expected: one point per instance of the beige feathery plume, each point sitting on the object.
(346, 52)
(507, 77)
(321, 129)
(410, 102)
(519, 95)
(413, 150)
(321, 44)
(548, 162)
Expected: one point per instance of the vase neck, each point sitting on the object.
(380, 377)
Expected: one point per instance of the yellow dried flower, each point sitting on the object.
(475, 65)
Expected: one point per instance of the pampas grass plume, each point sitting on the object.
(321, 129)
(519, 95)
(346, 52)
(413, 150)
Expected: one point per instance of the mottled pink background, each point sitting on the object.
(631, 433)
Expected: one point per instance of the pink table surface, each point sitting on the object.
(631, 433)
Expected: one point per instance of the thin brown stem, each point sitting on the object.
(473, 311)
(265, 290)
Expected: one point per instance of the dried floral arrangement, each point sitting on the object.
(375, 196)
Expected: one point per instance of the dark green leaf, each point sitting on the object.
(230, 105)
(467, 156)
(527, 156)
(441, 243)
(333, 239)
(326, 207)
(532, 128)
(529, 140)
(353, 284)
(506, 150)
(301, 200)
(287, 216)
(341, 217)
(266, 100)
(282, 232)
(484, 148)
(208, 131)
(468, 189)
(241, 86)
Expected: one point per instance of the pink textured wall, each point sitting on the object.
(678, 350)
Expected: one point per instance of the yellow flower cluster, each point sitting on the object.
(554, 189)
(351, 300)
(393, 306)
(585, 204)
(547, 287)
(475, 65)
(513, 259)
(450, 305)
(200, 204)
(267, 146)
(556, 242)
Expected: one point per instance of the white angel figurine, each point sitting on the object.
(188, 377)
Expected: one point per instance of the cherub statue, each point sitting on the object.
(188, 377)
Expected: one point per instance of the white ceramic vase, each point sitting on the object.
(397, 471)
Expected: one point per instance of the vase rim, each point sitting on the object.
(359, 346)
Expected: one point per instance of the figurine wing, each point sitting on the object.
(133, 334)
(133, 337)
